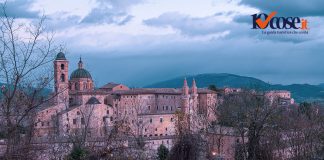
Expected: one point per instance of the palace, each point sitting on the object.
(150, 112)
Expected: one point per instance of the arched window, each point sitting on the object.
(76, 86)
(62, 78)
(85, 86)
(62, 66)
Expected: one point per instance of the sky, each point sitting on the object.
(139, 42)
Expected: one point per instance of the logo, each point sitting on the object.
(279, 23)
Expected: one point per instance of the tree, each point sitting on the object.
(212, 87)
(78, 153)
(25, 52)
(163, 152)
(252, 115)
(189, 142)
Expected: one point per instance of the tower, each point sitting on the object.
(194, 89)
(61, 81)
(194, 96)
(185, 97)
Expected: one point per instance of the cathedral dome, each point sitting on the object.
(80, 73)
(60, 56)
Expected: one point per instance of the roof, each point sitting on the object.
(88, 92)
(80, 73)
(173, 91)
(60, 56)
(110, 85)
(93, 100)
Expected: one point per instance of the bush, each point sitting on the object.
(78, 153)
(163, 152)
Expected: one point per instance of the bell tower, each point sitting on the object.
(61, 81)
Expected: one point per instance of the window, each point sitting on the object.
(82, 121)
(76, 86)
(62, 78)
(149, 107)
(70, 101)
(78, 113)
(85, 86)
(111, 119)
(107, 111)
(171, 119)
(161, 120)
(151, 120)
(62, 66)
(167, 107)
(166, 129)
(74, 121)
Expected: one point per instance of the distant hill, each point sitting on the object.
(300, 92)
(321, 85)
(44, 92)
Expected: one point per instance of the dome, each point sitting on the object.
(80, 73)
(60, 56)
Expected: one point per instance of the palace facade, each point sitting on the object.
(150, 112)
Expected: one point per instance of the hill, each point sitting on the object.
(300, 92)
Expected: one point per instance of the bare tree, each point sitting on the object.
(25, 51)
(252, 115)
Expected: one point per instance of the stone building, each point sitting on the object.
(150, 112)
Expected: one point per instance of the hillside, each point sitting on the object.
(300, 92)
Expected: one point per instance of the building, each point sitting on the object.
(150, 112)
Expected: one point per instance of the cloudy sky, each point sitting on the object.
(139, 42)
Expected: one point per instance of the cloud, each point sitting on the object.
(239, 27)
(289, 7)
(111, 12)
(19, 9)
(189, 25)
(284, 63)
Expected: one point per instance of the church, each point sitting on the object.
(149, 112)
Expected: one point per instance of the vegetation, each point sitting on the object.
(163, 152)
(25, 56)
(212, 87)
(78, 153)
(268, 129)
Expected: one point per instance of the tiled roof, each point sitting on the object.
(175, 91)
(109, 85)
(88, 92)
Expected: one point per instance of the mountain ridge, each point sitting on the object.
(300, 92)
